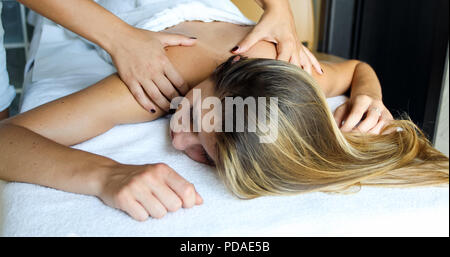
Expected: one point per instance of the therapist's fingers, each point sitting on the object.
(176, 79)
(165, 87)
(153, 92)
(315, 63)
(250, 40)
(284, 50)
(172, 39)
(141, 97)
(295, 59)
(305, 63)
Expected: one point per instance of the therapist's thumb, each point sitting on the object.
(250, 40)
(170, 39)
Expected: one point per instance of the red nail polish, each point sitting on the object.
(235, 49)
(153, 110)
(193, 38)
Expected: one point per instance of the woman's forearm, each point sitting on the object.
(364, 112)
(84, 17)
(28, 157)
(365, 82)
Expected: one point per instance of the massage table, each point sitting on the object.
(60, 65)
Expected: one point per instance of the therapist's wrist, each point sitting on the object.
(117, 37)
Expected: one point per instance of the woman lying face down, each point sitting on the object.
(309, 152)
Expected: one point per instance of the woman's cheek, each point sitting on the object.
(195, 155)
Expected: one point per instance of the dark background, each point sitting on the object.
(15, 42)
(405, 41)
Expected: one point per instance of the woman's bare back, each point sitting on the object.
(214, 43)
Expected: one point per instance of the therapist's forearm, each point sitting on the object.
(28, 157)
(84, 17)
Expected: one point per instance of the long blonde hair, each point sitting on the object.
(311, 153)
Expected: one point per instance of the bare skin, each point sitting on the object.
(34, 146)
(139, 54)
(4, 114)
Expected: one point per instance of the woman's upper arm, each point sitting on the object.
(85, 114)
(337, 77)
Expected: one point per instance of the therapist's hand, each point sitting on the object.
(142, 64)
(147, 190)
(277, 26)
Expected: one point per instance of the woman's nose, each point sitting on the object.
(183, 140)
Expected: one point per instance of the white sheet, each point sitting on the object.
(31, 210)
